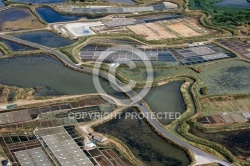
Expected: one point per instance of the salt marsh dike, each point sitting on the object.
(197, 152)
(195, 113)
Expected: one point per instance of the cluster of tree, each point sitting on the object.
(222, 16)
(231, 18)
(204, 91)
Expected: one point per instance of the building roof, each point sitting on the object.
(65, 149)
(35, 156)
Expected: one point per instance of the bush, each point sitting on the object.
(204, 91)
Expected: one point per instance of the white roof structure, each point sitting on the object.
(246, 115)
(170, 5)
(35, 156)
(82, 29)
(65, 149)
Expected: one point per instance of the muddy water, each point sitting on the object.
(144, 143)
(46, 71)
(166, 101)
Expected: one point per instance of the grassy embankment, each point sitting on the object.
(16, 93)
(185, 125)
(180, 127)
(222, 127)
(4, 49)
(207, 147)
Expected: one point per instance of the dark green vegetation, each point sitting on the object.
(204, 91)
(142, 141)
(222, 16)
(239, 140)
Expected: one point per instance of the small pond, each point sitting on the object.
(234, 3)
(11, 17)
(45, 38)
(50, 16)
(166, 101)
(39, 1)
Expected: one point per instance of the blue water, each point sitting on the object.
(16, 14)
(13, 14)
(39, 1)
(166, 56)
(197, 4)
(234, 3)
(1, 3)
(45, 38)
(50, 16)
(16, 46)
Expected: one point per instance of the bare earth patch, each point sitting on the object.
(183, 30)
(151, 31)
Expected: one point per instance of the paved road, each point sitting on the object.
(164, 132)
(134, 97)
(48, 49)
